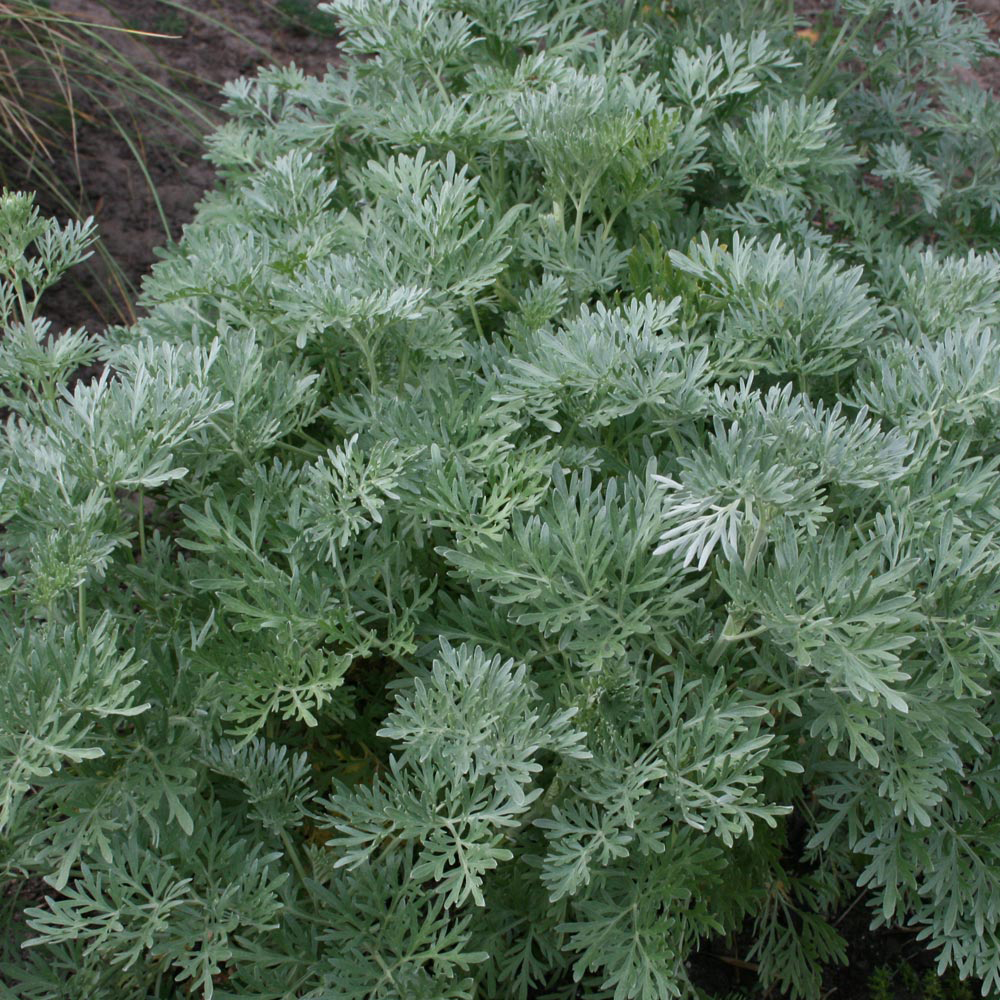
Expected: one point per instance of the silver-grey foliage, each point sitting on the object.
(545, 521)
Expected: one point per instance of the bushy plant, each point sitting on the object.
(546, 521)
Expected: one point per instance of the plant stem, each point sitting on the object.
(759, 538)
(841, 43)
(404, 368)
(578, 225)
(715, 653)
(312, 439)
(26, 314)
(142, 525)
(372, 373)
(335, 372)
(366, 352)
(81, 607)
(293, 856)
(541, 805)
(475, 318)
(731, 631)
(304, 452)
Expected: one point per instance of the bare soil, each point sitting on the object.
(988, 71)
(229, 39)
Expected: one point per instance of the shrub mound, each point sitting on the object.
(545, 522)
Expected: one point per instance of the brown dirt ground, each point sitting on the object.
(988, 72)
(200, 57)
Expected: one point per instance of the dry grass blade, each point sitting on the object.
(58, 71)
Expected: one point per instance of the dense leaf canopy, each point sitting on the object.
(545, 521)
